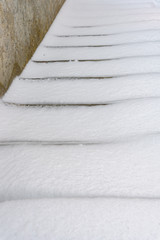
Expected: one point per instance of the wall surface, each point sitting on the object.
(23, 25)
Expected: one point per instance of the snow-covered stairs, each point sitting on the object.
(80, 128)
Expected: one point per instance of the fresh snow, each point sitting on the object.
(113, 122)
(80, 128)
(119, 39)
(112, 170)
(81, 219)
(83, 91)
(112, 68)
(106, 53)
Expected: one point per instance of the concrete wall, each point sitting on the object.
(23, 24)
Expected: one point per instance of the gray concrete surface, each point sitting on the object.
(23, 25)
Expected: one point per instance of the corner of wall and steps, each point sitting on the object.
(23, 25)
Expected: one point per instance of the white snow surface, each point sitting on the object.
(80, 128)
(104, 170)
(84, 91)
(121, 38)
(115, 122)
(80, 219)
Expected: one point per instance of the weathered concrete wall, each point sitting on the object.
(23, 24)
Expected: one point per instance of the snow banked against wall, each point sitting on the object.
(81, 127)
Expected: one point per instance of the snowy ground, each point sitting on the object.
(80, 128)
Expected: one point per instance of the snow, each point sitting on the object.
(113, 122)
(136, 65)
(90, 53)
(83, 91)
(80, 129)
(123, 38)
(110, 20)
(111, 29)
(80, 219)
(104, 170)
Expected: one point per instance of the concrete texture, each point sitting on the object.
(23, 25)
